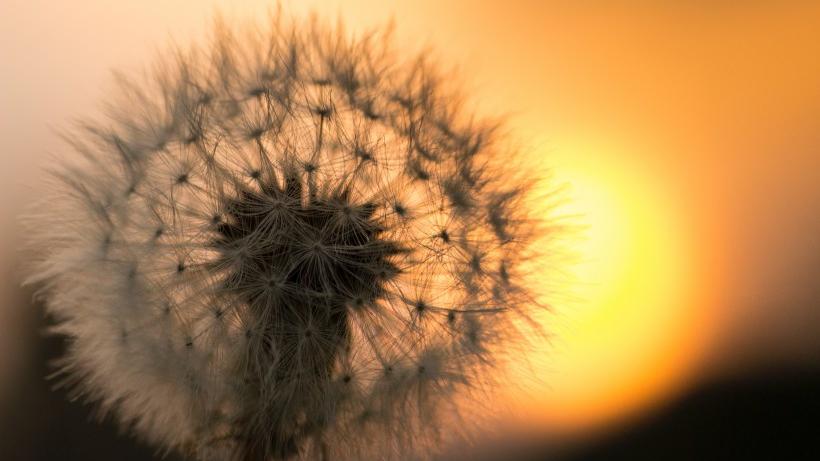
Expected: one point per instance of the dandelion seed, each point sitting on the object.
(282, 222)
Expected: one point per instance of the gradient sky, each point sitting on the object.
(687, 133)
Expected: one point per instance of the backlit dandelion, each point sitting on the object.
(287, 245)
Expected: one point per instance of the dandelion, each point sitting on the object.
(287, 245)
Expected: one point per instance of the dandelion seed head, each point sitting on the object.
(287, 244)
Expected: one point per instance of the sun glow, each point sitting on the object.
(631, 333)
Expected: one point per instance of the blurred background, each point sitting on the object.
(687, 134)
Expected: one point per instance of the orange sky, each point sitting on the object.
(686, 132)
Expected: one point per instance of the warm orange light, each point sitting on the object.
(701, 218)
(633, 333)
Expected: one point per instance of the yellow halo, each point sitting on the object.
(636, 329)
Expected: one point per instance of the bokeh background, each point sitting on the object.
(687, 135)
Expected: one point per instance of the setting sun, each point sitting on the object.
(630, 335)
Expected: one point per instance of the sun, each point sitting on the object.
(631, 330)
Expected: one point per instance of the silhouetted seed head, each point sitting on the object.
(287, 245)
